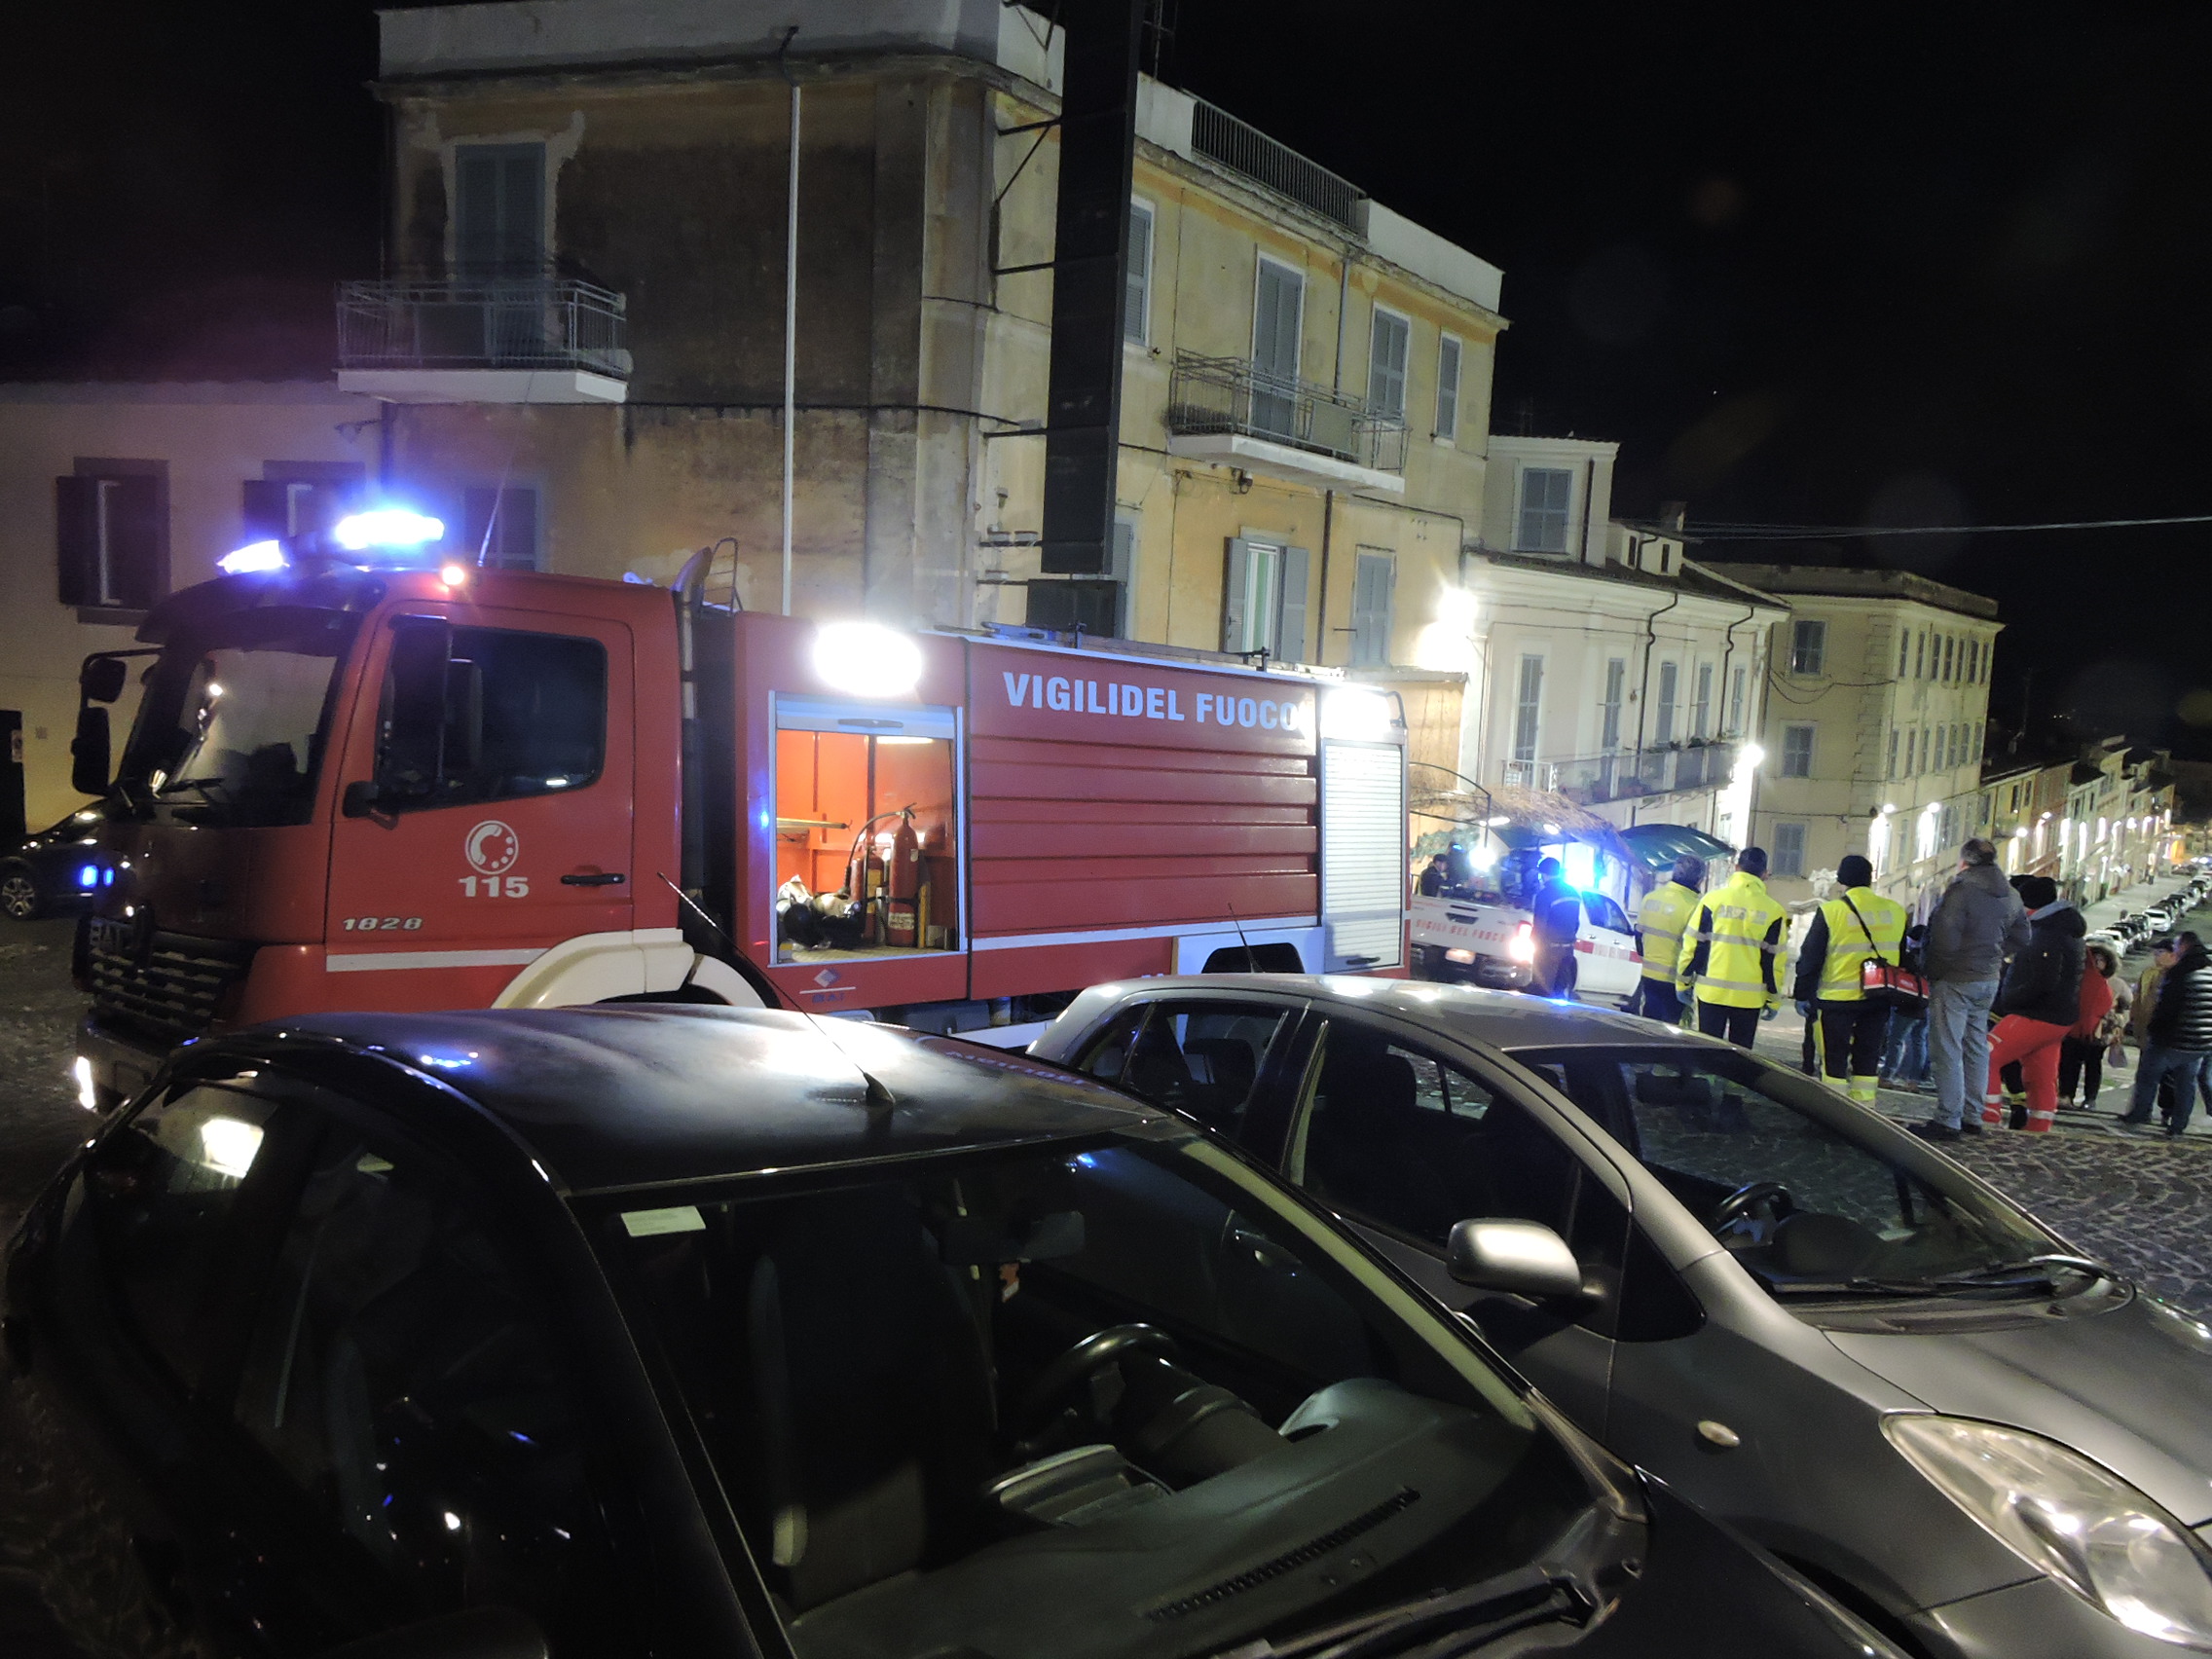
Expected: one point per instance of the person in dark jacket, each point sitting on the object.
(1977, 921)
(2038, 1002)
(2178, 1040)
(1555, 915)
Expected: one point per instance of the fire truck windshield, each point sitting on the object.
(236, 717)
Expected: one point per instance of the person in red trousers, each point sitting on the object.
(2038, 1003)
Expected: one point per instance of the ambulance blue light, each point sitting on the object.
(88, 877)
(254, 556)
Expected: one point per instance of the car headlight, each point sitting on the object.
(2069, 1518)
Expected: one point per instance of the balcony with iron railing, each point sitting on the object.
(1591, 779)
(1230, 411)
(525, 339)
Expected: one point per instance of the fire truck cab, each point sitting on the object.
(354, 788)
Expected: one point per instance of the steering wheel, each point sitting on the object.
(1085, 1360)
(1746, 1198)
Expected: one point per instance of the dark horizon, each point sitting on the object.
(1891, 268)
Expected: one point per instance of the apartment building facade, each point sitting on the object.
(120, 492)
(1306, 374)
(1611, 681)
(1875, 726)
(2117, 827)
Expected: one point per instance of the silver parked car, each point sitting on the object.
(1795, 1313)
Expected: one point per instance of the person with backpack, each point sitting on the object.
(1856, 927)
(2039, 1001)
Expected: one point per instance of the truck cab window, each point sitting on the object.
(523, 715)
(866, 861)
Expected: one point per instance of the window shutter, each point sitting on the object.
(134, 541)
(1373, 576)
(1289, 641)
(267, 509)
(76, 517)
(1237, 575)
(1140, 275)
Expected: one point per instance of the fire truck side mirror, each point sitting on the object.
(101, 679)
(411, 759)
(88, 764)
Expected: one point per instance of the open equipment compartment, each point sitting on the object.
(866, 830)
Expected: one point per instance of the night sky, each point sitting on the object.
(1843, 266)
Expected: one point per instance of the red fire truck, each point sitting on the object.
(356, 786)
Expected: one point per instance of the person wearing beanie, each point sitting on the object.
(1979, 919)
(2038, 1002)
(1855, 926)
(1733, 950)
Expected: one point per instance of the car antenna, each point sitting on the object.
(878, 1097)
(1250, 966)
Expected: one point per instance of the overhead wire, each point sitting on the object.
(1830, 531)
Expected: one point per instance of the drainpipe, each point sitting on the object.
(1329, 496)
(1644, 688)
(790, 308)
(1730, 650)
(1589, 493)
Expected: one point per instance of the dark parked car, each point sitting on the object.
(697, 1332)
(1806, 1320)
(46, 870)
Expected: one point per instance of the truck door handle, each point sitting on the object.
(597, 878)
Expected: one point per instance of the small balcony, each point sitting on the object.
(491, 340)
(1230, 411)
(1591, 778)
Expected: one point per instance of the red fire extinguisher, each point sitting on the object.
(903, 883)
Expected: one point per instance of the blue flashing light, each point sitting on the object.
(386, 526)
(256, 556)
(107, 878)
(88, 877)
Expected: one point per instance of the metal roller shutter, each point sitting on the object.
(1363, 848)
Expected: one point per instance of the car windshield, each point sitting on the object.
(1793, 1179)
(1117, 1397)
(236, 720)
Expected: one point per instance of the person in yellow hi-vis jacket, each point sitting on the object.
(1855, 926)
(1660, 923)
(1733, 950)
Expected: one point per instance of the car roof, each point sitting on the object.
(616, 1097)
(1504, 1019)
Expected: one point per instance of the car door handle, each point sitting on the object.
(597, 878)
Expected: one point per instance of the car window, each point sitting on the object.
(1201, 1059)
(969, 1402)
(162, 1192)
(1782, 1172)
(1400, 1137)
(401, 1376)
(1604, 913)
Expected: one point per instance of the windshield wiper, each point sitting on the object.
(1512, 1600)
(1998, 1276)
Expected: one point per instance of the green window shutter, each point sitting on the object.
(1237, 576)
(1290, 611)
(76, 516)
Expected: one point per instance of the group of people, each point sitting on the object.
(2013, 987)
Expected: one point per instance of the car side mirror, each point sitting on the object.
(1522, 1257)
(88, 763)
(479, 1632)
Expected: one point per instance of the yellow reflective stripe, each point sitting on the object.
(1707, 982)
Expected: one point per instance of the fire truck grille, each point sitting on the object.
(172, 983)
